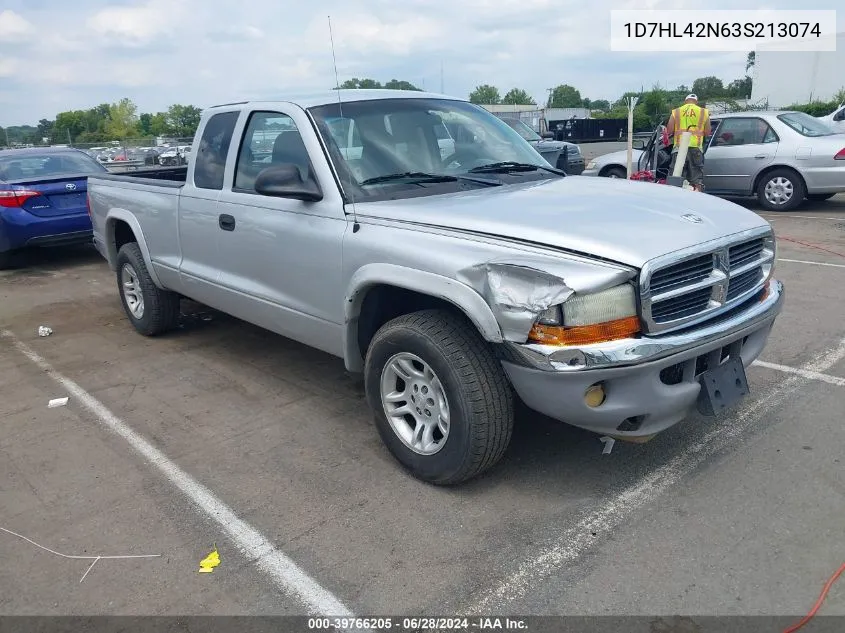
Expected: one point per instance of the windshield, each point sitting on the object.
(523, 129)
(805, 124)
(419, 138)
(30, 166)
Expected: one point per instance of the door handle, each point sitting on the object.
(761, 156)
(226, 222)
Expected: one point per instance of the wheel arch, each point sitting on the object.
(123, 227)
(769, 169)
(380, 292)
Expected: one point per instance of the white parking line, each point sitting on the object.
(284, 573)
(806, 373)
(614, 511)
(801, 261)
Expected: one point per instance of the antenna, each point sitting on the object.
(355, 225)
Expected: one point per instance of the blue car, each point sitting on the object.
(43, 198)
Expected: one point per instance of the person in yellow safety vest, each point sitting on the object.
(693, 118)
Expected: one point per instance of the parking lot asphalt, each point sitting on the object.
(224, 435)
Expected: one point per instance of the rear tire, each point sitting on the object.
(615, 172)
(150, 309)
(451, 404)
(780, 190)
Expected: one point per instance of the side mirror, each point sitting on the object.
(638, 143)
(548, 135)
(285, 181)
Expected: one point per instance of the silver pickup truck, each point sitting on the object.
(457, 284)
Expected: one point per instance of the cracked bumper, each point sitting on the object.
(651, 383)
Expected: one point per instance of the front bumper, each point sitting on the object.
(650, 383)
(575, 166)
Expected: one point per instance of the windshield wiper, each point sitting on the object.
(509, 166)
(421, 177)
(416, 176)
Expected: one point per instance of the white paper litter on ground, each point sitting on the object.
(608, 445)
(57, 402)
(44, 331)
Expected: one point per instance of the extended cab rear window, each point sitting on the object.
(210, 162)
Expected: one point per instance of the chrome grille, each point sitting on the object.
(686, 272)
(685, 288)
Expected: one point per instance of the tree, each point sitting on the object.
(708, 87)
(518, 96)
(600, 104)
(183, 120)
(485, 94)
(750, 61)
(69, 124)
(739, 88)
(45, 128)
(565, 96)
(396, 84)
(360, 84)
(123, 119)
(159, 125)
(144, 124)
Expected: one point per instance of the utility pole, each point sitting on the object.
(69, 142)
(6, 130)
(549, 100)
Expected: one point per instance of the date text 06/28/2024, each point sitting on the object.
(418, 624)
(723, 30)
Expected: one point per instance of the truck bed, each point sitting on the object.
(163, 176)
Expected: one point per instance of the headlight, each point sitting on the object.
(589, 318)
(591, 165)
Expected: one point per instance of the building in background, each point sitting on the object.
(784, 78)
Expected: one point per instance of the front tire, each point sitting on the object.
(780, 190)
(441, 401)
(615, 172)
(150, 309)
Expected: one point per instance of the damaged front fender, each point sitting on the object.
(518, 290)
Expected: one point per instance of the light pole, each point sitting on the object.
(632, 103)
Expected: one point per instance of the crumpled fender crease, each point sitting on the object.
(517, 293)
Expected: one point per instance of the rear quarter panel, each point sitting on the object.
(151, 211)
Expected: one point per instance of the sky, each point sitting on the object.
(58, 55)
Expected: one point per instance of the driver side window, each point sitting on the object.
(270, 139)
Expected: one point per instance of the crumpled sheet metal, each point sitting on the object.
(517, 293)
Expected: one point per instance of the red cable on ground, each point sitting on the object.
(818, 604)
(821, 248)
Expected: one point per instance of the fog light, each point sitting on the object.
(594, 395)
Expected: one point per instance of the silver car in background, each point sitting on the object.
(783, 158)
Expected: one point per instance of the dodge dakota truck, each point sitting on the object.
(459, 285)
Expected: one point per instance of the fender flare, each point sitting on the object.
(115, 215)
(458, 294)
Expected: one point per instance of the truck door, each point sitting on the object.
(739, 149)
(199, 233)
(280, 258)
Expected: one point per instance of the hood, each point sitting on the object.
(549, 144)
(617, 158)
(620, 220)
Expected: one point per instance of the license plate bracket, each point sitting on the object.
(722, 387)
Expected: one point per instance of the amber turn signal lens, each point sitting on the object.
(585, 334)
